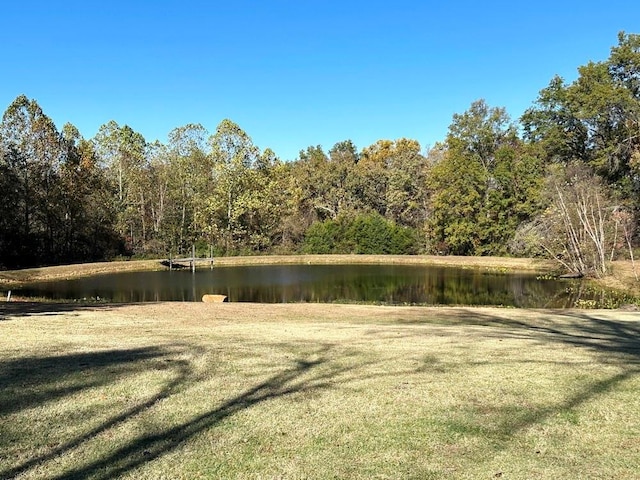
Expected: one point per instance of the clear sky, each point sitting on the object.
(295, 73)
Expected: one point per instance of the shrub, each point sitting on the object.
(363, 234)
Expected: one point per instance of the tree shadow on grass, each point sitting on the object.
(568, 327)
(613, 341)
(572, 328)
(499, 427)
(610, 336)
(148, 447)
(10, 310)
(58, 377)
(32, 382)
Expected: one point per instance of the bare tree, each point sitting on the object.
(581, 224)
(625, 219)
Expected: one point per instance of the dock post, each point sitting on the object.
(193, 258)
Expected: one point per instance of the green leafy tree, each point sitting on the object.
(342, 177)
(393, 181)
(457, 192)
(297, 212)
(268, 202)
(234, 156)
(189, 167)
(311, 176)
(328, 183)
(57, 193)
(88, 231)
(406, 192)
(595, 119)
(552, 124)
(122, 151)
(33, 153)
(11, 226)
(373, 175)
(484, 185)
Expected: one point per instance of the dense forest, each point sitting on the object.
(562, 182)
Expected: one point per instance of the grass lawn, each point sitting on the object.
(248, 391)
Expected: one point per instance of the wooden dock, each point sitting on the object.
(188, 262)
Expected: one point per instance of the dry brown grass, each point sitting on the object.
(623, 277)
(193, 390)
(61, 272)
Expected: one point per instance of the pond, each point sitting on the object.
(378, 284)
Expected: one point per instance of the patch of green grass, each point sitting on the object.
(314, 391)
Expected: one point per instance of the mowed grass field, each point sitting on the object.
(297, 391)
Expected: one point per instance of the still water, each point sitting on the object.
(383, 284)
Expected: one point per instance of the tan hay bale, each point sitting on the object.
(214, 298)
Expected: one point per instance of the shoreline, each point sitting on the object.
(622, 279)
(16, 278)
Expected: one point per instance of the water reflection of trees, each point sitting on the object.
(435, 288)
(338, 283)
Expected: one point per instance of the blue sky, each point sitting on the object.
(296, 73)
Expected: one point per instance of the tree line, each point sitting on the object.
(561, 182)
